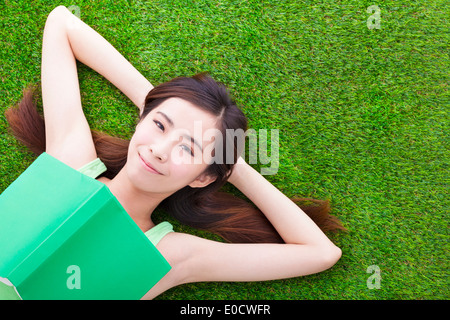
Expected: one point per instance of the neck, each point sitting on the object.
(137, 203)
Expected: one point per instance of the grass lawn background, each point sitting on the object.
(362, 115)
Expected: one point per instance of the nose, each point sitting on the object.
(159, 151)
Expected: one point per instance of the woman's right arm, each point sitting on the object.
(67, 39)
(90, 48)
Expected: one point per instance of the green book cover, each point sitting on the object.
(63, 235)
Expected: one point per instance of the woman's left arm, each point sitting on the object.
(307, 249)
(291, 222)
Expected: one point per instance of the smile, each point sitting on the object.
(148, 167)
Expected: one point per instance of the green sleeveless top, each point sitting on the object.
(94, 169)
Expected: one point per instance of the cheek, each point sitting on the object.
(186, 172)
(140, 135)
(135, 140)
(181, 170)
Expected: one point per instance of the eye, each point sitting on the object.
(188, 149)
(159, 125)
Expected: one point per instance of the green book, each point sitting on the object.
(63, 235)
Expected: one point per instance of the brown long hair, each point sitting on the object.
(233, 218)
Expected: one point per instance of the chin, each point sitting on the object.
(148, 182)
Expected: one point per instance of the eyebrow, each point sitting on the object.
(172, 125)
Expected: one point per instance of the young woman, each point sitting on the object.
(271, 239)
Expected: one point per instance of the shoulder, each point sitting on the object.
(177, 250)
(196, 259)
(186, 253)
(104, 180)
(180, 249)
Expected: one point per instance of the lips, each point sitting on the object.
(147, 166)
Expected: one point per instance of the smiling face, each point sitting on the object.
(168, 150)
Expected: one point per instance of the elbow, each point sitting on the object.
(330, 256)
(57, 12)
(55, 18)
(61, 15)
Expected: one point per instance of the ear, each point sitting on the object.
(202, 181)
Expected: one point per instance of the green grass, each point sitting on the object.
(362, 114)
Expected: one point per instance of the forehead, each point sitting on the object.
(185, 115)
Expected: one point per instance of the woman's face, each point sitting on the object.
(169, 149)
